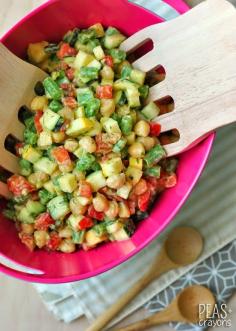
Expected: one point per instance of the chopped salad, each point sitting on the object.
(91, 162)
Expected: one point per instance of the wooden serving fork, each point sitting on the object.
(17, 81)
(198, 53)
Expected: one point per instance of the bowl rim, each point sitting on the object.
(181, 7)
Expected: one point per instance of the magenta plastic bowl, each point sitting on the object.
(50, 22)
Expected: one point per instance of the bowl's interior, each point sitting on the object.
(50, 22)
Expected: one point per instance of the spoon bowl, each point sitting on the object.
(184, 308)
(184, 245)
(189, 300)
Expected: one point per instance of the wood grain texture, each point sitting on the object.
(21, 309)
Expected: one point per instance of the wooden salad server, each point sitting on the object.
(198, 53)
(184, 309)
(183, 246)
(17, 81)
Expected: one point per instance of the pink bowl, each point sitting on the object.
(49, 22)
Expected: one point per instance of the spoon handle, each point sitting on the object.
(107, 316)
(169, 314)
(161, 266)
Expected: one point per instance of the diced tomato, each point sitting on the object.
(70, 102)
(143, 200)
(70, 73)
(132, 205)
(141, 187)
(95, 214)
(37, 123)
(109, 61)
(86, 223)
(104, 92)
(54, 241)
(61, 155)
(18, 148)
(169, 180)
(65, 50)
(28, 240)
(85, 189)
(18, 185)
(155, 129)
(64, 86)
(43, 221)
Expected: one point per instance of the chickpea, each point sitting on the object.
(67, 246)
(39, 103)
(107, 107)
(141, 187)
(65, 232)
(41, 238)
(71, 145)
(142, 128)
(77, 208)
(100, 203)
(136, 150)
(66, 167)
(148, 142)
(67, 113)
(27, 228)
(107, 73)
(88, 144)
(130, 138)
(113, 210)
(116, 181)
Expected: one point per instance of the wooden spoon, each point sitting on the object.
(198, 53)
(17, 81)
(182, 247)
(184, 308)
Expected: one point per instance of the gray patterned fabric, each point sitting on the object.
(218, 273)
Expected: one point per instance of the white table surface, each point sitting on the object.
(21, 309)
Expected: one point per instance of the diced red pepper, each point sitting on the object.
(66, 50)
(108, 59)
(104, 92)
(18, 185)
(70, 102)
(70, 73)
(43, 221)
(86, 223)
(155, 129)
(95, 214)
(61, 155)
(28, 240)
(85, 189)
(37, 123)
(54, 241)
(143, 200)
